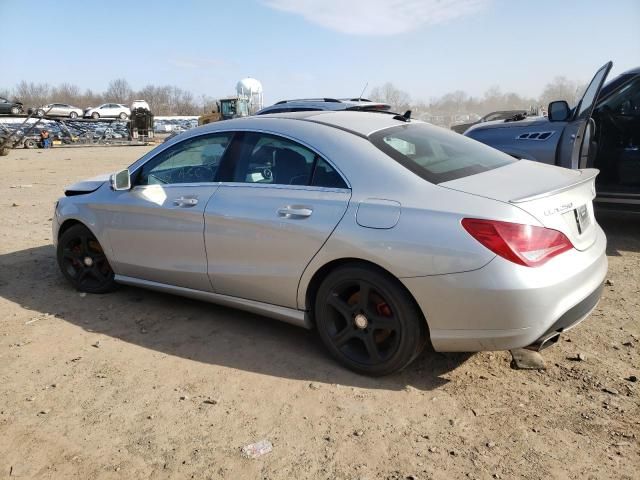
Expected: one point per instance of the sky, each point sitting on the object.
(317, 48)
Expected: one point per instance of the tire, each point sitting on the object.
(30, 143)
(15, 110)
(40, 112)
(123, 116)
(95, 115)
(4, 152)
(73, 115)
(347, 324)
(83, 262)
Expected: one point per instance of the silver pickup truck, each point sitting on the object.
(602, 131)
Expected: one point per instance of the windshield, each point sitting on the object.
(228, 108)
(436, 154)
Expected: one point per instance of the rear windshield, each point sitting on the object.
(436, 154)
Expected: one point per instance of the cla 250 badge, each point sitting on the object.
(559, 209)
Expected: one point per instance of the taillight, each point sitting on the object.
(526, 245)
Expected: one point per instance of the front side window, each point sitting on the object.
(194, 160)
(436, 154)
(264, 158)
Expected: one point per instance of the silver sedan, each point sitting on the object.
(383, 233)
(59, 110)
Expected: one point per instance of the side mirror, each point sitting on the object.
(558, 111)
(121, 180)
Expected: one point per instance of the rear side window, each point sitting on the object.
(324, 175)
(266, 158)
(436, 154)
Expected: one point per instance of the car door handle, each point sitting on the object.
(185, 201)
(292, 212)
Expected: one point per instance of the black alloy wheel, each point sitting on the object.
(83, 262)
(368, 321)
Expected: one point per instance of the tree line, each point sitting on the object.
(453, 107)
(171, 100)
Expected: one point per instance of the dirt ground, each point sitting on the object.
(137, 384)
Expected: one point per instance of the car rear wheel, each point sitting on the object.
(123, 116)
(368, 321)
(83, 262)
(15, 110)
(95, 115)
(30, 143)
(73, 115)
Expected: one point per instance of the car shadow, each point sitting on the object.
(196, 330)
(622, 230)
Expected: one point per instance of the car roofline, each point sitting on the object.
(312, 118)
(320, 100)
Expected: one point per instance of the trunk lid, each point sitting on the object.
(558, 198)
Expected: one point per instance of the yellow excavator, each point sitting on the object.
(226, 109)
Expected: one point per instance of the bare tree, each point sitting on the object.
(183, 103)
(388, 93)
(66, 93)
(562, 88)
(90, 99)
(119, 91)
(35, 94)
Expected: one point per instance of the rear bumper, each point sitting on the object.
(504, 306)
(575, 315)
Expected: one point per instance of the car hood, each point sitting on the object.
(527, 122)
(89, 185)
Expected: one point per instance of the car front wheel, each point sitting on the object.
(73, 115)
(83, 262)
(123, 116)
(95, 115)
(15, 110)
(368, 321)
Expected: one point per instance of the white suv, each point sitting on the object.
(108, 110)
(142, 104)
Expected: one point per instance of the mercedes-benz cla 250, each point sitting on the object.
(383, 233)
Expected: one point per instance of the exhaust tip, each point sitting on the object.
(544, 342)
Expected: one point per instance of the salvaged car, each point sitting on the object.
(381, 232)
(9, 107)
(59, 110)
(510, 115)
(602, 131)
(108, 110)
